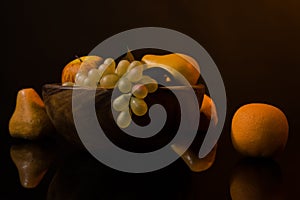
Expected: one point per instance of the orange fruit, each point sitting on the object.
(71, 68)
(259, 130)
(184, 64)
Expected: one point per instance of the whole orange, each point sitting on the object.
(259, 130)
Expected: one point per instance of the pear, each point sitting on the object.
(184, 64)
(32, 161)
(208, 112)
(84, 62)
(29, 120)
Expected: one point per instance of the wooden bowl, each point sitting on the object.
(58, 103)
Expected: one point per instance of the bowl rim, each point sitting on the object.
(61, 87)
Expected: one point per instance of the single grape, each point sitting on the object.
(110, 62)
(150, 83)
(68, 84)
(138, 106)
(134, 64)
(122, 67)
(135, 74)
(90, 82)
(79, 78)
(124, 119)
(139, 91)
(102, 68)
(121, 103)
(109, 80)
(94, 74)
(106, 69)
(124, 85)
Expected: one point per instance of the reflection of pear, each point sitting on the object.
(29, 120)
(256, 179)
(195, 163)
(208, 114)
(32, 162)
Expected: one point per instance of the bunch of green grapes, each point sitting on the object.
(103, 76)
(134, 87)
(128, 78)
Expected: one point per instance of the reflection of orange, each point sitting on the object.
(184, 64)
(256, 179)
(259, 130)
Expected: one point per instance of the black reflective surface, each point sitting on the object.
(255, 45)
(75, 174)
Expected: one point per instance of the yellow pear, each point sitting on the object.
(32, 162)
(29, 120)
(83, 62)
(208, 112)
(184, 64)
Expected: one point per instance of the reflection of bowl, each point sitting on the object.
(58, 102)
(80, 176)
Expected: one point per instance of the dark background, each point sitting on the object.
(255, 44)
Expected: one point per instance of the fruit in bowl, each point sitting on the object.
(123, 92)
(84, 62)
